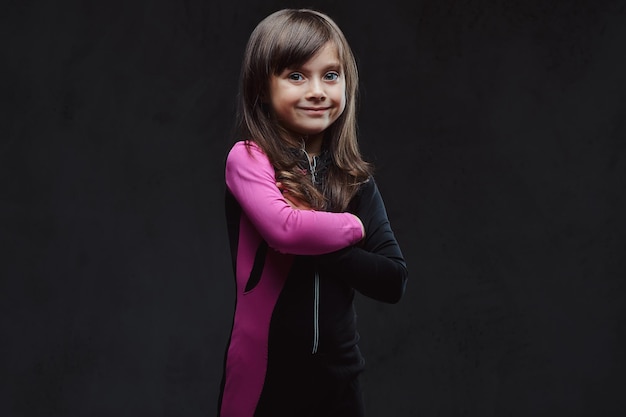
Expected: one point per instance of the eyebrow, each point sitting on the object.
(331, 65)
(336, 64)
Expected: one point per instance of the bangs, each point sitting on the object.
(298, 40)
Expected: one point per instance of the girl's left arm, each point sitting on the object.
(376, 267)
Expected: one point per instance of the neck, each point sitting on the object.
(313, 144)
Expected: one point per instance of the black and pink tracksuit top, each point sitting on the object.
(294, 328)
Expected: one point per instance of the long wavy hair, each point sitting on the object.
(289, 38)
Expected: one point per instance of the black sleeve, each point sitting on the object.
(375, 267)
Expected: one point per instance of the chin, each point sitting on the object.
(307, 132)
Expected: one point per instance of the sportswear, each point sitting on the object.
(293, 345)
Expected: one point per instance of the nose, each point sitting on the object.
(316, 90)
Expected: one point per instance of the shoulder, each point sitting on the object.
(244, 146)
(245, 151)
(368, 186)
(364, 195)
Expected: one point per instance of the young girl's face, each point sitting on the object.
(307, 99)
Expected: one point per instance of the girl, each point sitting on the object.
(306, 223)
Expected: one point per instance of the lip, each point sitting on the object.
(314, 110)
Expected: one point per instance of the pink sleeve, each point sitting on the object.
(251, 179)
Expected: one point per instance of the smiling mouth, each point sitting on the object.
(315, 109)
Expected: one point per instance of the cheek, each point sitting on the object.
(342, 103)
(277, 104)
(342, 95)
(283, 98)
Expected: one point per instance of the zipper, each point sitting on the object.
(312, 164)
(316, 313)
(316, 291)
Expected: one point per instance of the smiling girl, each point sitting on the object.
(307, 226)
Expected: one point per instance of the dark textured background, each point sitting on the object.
(497, 130)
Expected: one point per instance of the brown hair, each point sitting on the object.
(286, 38)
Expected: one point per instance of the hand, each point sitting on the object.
(293, 201)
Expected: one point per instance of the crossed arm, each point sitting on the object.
(251, 179)
(375, 267)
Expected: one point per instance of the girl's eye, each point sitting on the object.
(295, 76)
(331, 76)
